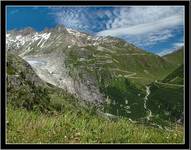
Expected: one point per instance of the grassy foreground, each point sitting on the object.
(81, 127)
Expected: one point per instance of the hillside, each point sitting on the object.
(166, 96)
(175, 57)
(176, 77)
(24, 88)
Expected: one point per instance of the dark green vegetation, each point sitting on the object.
(166, 98)
(124, 99)
(25, 88)
(176, 77)
(165, 102)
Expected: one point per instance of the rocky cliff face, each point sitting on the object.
(24, 88)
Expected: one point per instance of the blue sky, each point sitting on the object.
(158, 29)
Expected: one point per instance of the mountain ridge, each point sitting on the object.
(175, 57)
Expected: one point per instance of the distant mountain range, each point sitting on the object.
(121, 78)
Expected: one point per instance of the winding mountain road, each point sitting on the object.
(169, 84)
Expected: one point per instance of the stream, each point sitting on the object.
(145, 102)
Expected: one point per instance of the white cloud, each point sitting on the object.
(178, 45)
(134, 15)
(165, 52)
(69, 17)
(175, 46)
(144, 28)
(150, 39)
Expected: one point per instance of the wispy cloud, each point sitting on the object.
(149, 27)
(175, 46)
(152, 38)
(134, 15)
(178, 45)
(145, 25)
(89, 19)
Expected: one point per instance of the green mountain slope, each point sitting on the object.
(176, 77)
(175, 57)
(166, 96)
(125, 60)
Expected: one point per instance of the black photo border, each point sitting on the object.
(93, 146)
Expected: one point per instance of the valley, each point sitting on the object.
(63, 71)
